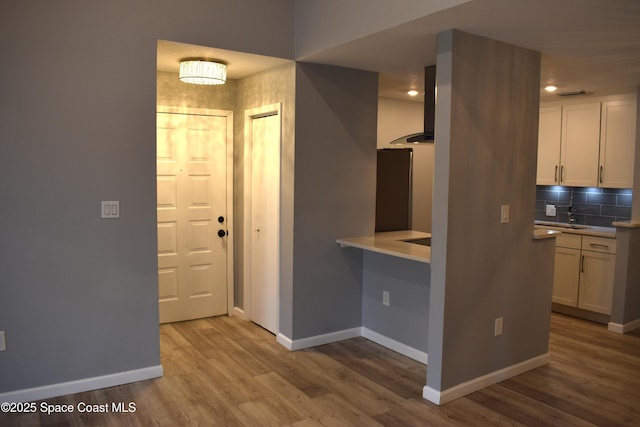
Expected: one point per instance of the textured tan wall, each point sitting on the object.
(172, 92)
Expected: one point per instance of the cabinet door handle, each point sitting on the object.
(599, 245)
(600, 174)
(582, 264)
(556, 175)
(561, 173)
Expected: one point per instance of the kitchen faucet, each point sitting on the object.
(571, 212)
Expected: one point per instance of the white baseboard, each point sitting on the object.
(623, 329)
(284, 341)
(432, 395)
(237, 311)
(79, 386)
(396, 346)
(294, 345)
(615, 327)
(345, 334)
(442, 397)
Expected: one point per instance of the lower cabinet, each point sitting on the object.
(566, 277)
(584, 269)
(596, 274)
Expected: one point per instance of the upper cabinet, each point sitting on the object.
(587, 145)
(579, 146)
(617, 144)
(549, 135)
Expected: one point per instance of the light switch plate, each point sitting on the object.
(504, 214)
(550, 210)
(3, 341)
(110, 209)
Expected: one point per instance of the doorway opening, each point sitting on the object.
(246, 75)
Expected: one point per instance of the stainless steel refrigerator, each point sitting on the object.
(393, 189)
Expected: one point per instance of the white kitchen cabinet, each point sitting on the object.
(566, 274)
(589, 144)
(568, 144)
(549, 136)
(583, 273)
(580, 145)
(596, 274)
(617, 144)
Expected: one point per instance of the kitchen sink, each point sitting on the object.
(424, 241)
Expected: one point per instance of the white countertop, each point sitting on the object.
(391, 243)
(544, 233)
(587, 230)
(627, 224)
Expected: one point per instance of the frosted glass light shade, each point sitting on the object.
(203, 72)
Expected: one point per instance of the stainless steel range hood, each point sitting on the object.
(429, 112)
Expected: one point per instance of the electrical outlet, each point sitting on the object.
(3, 341)
(497, 327)
(504, 214)
(550, 210)
(385, 297)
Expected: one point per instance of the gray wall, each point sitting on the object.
(406, 318)
(335, 167)
(635, 211)
(632, 297)
(626, 290)
(78, 296)
(486, 145)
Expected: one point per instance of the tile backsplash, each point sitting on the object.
(591, 206)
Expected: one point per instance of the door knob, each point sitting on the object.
(220, 219)
(222, 233)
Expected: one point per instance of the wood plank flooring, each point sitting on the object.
(226, 371)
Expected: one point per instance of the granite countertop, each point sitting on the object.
(392, 243)
(586, 230)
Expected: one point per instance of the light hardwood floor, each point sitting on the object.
(225, 371)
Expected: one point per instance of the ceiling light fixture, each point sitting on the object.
(412, 92)
(550, 88)
(202, 71)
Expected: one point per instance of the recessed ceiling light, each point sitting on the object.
(412, 92)
(551, 88)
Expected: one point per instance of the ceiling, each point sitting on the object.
(239, 64)
(589, 45)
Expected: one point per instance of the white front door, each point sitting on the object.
(265, 219)
(192, 210)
